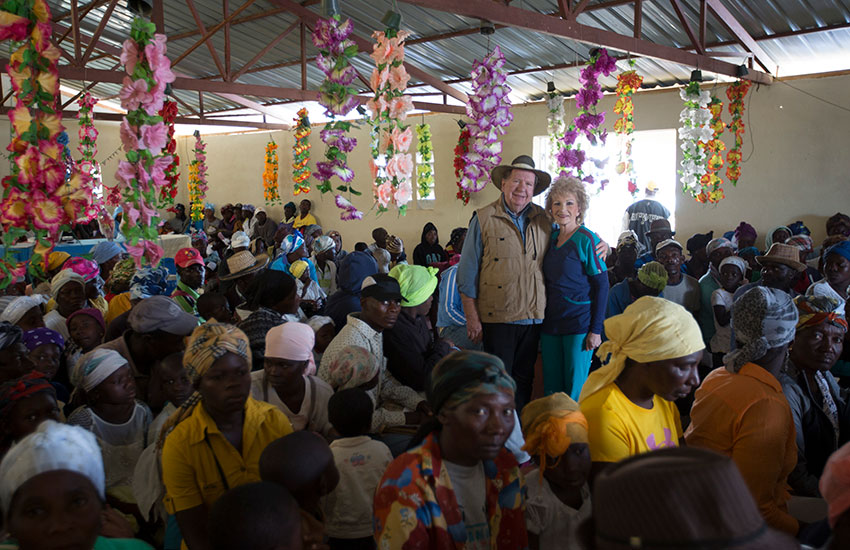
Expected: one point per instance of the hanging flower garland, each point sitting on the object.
(270, 190)
(349, 212)
(587, 121)
(711, 183)
(37, 195)
(627, 83)
(88, 135)
(301, 153)
(424, 171)
(489, 107)
(144, 135)
(168, 192)
(337, 96)
(392, 182)
(198, 179)
(736, 93)
(555, 123)
(461, 149)
(694, 134)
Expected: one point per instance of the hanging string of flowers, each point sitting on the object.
(144, 135)
(628, 82)
(301, 153)
(555, 123)
(270, 190)
(571, 157)
(168, 192)
(461, 149)
(736, 92)
(337, 96)
(37, 196)
(489, 107)
(711, 183)
(349, 212)
(392, 182)
(87, 134)
(198, 179)
(424, 171)
(694, 134)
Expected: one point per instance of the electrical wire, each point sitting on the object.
(828, 102)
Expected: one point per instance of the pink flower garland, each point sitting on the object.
(391, 138)
(587, 121)
(87, 134)
(489, 108)
(144, 135)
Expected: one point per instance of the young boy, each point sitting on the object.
(558, 494)
(361, 462)
(256, 515)
(732, 270)
(303, 464)
(176, 388)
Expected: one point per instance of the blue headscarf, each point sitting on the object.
(842, 249)
(291, 243)
(104, 251)
(148, 281)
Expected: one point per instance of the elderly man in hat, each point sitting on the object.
(499, 274)
(640, 215)
(659, 230)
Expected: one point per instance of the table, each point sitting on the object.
(169, 243)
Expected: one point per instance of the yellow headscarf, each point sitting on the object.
(651, 329)
(208, 342)
(550, 425)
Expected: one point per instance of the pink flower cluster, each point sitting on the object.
(489, 108)
(392, 183)
(144, 136)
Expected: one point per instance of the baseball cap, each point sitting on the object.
(381, 287)
(161, 313)
(188, 256)
(667, 242)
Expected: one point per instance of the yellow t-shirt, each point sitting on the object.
(189, 469)
(617, 428)
(301, 222)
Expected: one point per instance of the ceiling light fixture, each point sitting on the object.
(140, 7)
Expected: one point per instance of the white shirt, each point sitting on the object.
(327, 276)
(54, 321)
(686, 293)
(361, 461)
(313, 414)
(721, 342)
(552, 520)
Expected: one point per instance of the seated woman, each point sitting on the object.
(53, 492)
(741, 412)
(819, 410)
(409, 345)
(214, 440)
(25, 311)
(288, 379)
(460, 487)
(25, 403)
(836, 274)
(649, 360)
(273, 295)
(14, 360)
(69, 290)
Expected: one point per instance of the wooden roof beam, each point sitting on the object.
(742, 35)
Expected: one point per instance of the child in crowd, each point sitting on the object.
(256, 515)
(312, 296)
(45, 353)
(558, 494)
(214, 306)
(287, 379)
(361, 461)
(87, 329)
(732, 271)
(325, 330)
(176, 388)
(112, 412)
(360, 247)
(302, 463)
(25, 402)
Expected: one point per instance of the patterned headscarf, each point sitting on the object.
(63, 278)
(550, 425)
(737, 261)
(291, 243)
(94, 367)
(814, 310)
(149, 281)
(14, 390)
(323, 243)
(650, 329)
(20, 305)
(199, 237)
(763, 318)
(768, 240)
(208, 343)
(87, 269)
(9, 334)
(653, 275)
(40, 336)
(719, 242)
(802, 242)
(799, 228)
(462, 375)
(353, 366)
(123, 272)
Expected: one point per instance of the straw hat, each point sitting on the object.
(784, 254)
(244, 263)
(523, 162)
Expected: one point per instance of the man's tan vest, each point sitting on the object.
(510, 279)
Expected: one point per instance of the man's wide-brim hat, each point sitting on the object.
(784, 254)
(522, 162)
(244, 263)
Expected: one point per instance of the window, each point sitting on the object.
(654, 157)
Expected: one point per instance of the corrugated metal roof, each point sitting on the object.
(452, 58)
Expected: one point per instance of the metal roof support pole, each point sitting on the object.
(158, 16)
(703, 12)
(75, 28)
(538, 22)
(742, 35)
(204, 40)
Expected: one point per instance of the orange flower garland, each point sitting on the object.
(270, 190)
(736, 93)
(301, 154)
(628, 83)
(711, 191)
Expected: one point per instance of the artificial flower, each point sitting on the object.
(133, 93)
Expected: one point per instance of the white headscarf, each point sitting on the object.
(53, 446)
(96, 366)
(20, 306)
(737, 261)
(63, 278)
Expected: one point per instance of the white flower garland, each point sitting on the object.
(694, 134)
